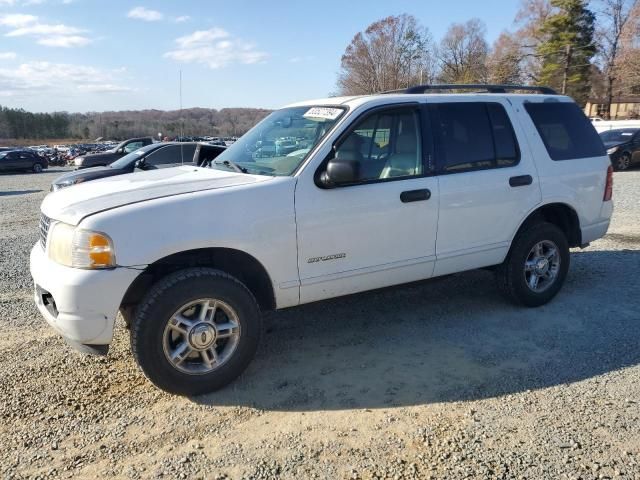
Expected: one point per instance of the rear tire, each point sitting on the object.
(195, 331)
(623, 162)
(536, 266)
(37, 168)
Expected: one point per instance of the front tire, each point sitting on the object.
(536, 266)
(195, 331)
(37, 168)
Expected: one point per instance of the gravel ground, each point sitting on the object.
(437, 380)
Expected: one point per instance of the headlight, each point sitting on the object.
(78, 161)
(613, 150)
(78, 248)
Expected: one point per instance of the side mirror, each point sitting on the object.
(139, 164)
(339, 172)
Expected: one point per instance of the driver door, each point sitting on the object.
(380, 229)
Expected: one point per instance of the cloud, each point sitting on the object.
(7, 55)
(64, 41)
(50, 35)
(17, 20)
(215, 48)
(60, 79)
(11, 3)
(182, 18)
(142, 13)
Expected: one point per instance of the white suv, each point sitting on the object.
(375, 191)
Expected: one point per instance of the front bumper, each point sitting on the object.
(81, 305)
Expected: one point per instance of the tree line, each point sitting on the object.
(20, 124)
(584, 48)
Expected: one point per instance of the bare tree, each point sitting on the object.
(531, 16)
(504, 64)
(392, 53)
(618, 18)
(463, 53)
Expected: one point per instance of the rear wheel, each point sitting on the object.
(37, 168)
(623, 162)
(196, 331)
(536, 266)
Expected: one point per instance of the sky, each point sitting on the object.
(99, 55)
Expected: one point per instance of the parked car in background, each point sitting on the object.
(110, 156)
(623, 146)
(15, 160)
(151, 157)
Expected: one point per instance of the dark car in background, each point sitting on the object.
(106, 158)
(16, 160)
(150, 157)
(623, 146)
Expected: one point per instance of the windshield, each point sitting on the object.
(280, 143)
(132, 157)
(619, 136)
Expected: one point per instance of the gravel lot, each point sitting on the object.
(437, 380)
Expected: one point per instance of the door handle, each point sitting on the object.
(521, 180)
(415, 195)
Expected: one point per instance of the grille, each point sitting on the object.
(44, 230)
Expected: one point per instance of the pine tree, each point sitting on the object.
(567, 48)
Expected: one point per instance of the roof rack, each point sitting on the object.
(476, 86)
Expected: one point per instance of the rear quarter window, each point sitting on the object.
(565, 130)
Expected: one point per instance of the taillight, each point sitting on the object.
(608, 189)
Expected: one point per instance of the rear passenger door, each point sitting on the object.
(488, 182)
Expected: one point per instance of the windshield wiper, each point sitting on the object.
(231, 165)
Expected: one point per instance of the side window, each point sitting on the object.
(474, 136)
(385, 145)
(170, 154)
(565, 130)
(133, 146)
(26, 155)
(507, 153)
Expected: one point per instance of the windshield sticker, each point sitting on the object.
(627, 134)
(323, 113)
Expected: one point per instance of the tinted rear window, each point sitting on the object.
(565, 130)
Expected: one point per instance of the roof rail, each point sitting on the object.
(476, 86)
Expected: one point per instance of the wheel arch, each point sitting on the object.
(562, 215)
(236, 263)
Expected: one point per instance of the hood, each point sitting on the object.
(71, 205)
(91, 156)
(84, 173)
(614, 143)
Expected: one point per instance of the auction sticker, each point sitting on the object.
(323, 113)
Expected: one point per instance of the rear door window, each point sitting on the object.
(565, 130)
(171, 154)
(474, 136)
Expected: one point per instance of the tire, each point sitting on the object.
(158, 332)
(623, 162)
(514, 276)
(37, 168)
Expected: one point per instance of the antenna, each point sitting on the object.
(181, 123)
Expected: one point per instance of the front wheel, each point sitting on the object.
(37, 168)
(196, 331)
(536, 266)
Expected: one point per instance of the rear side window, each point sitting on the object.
(474, 136)
(171, 154)
(565, 130)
